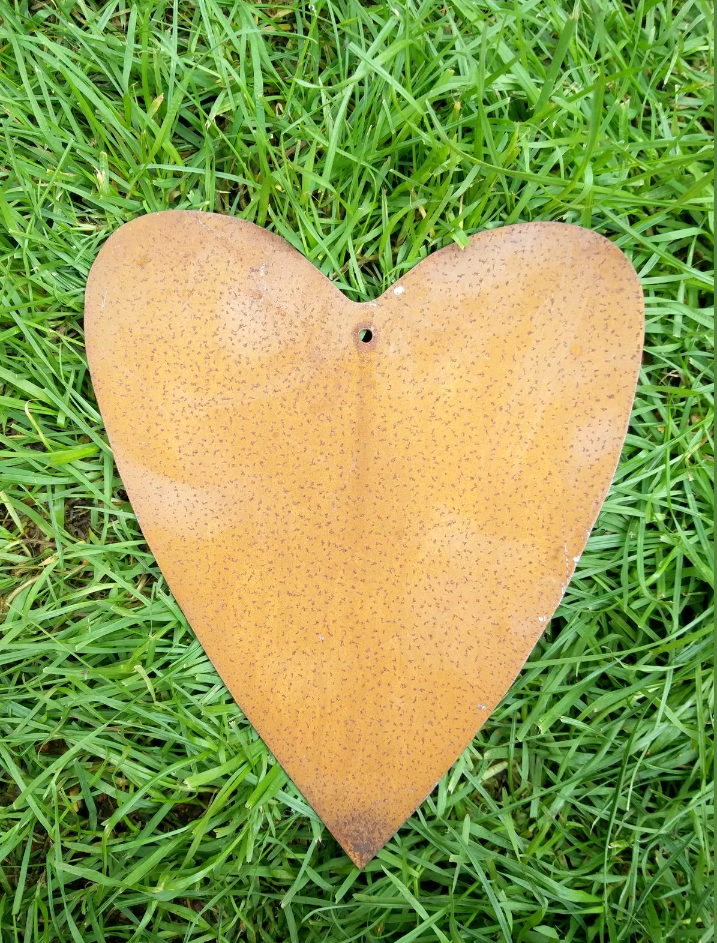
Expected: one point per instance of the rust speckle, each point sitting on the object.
(367, 536)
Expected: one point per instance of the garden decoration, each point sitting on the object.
(367, 512)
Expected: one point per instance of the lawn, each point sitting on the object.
(136, 802)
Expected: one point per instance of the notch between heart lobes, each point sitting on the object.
(367, 512)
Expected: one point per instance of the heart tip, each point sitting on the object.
(361, 858)
(362, 837)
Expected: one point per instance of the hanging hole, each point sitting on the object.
(366, 335)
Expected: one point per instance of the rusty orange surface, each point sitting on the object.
(367, 532)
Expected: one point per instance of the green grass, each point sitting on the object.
(136, 803)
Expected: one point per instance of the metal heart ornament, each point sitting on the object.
(367, 512)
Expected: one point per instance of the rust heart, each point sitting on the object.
(368, 512)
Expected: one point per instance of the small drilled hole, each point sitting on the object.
(366, 335)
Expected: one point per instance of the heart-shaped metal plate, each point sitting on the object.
(368, 512)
